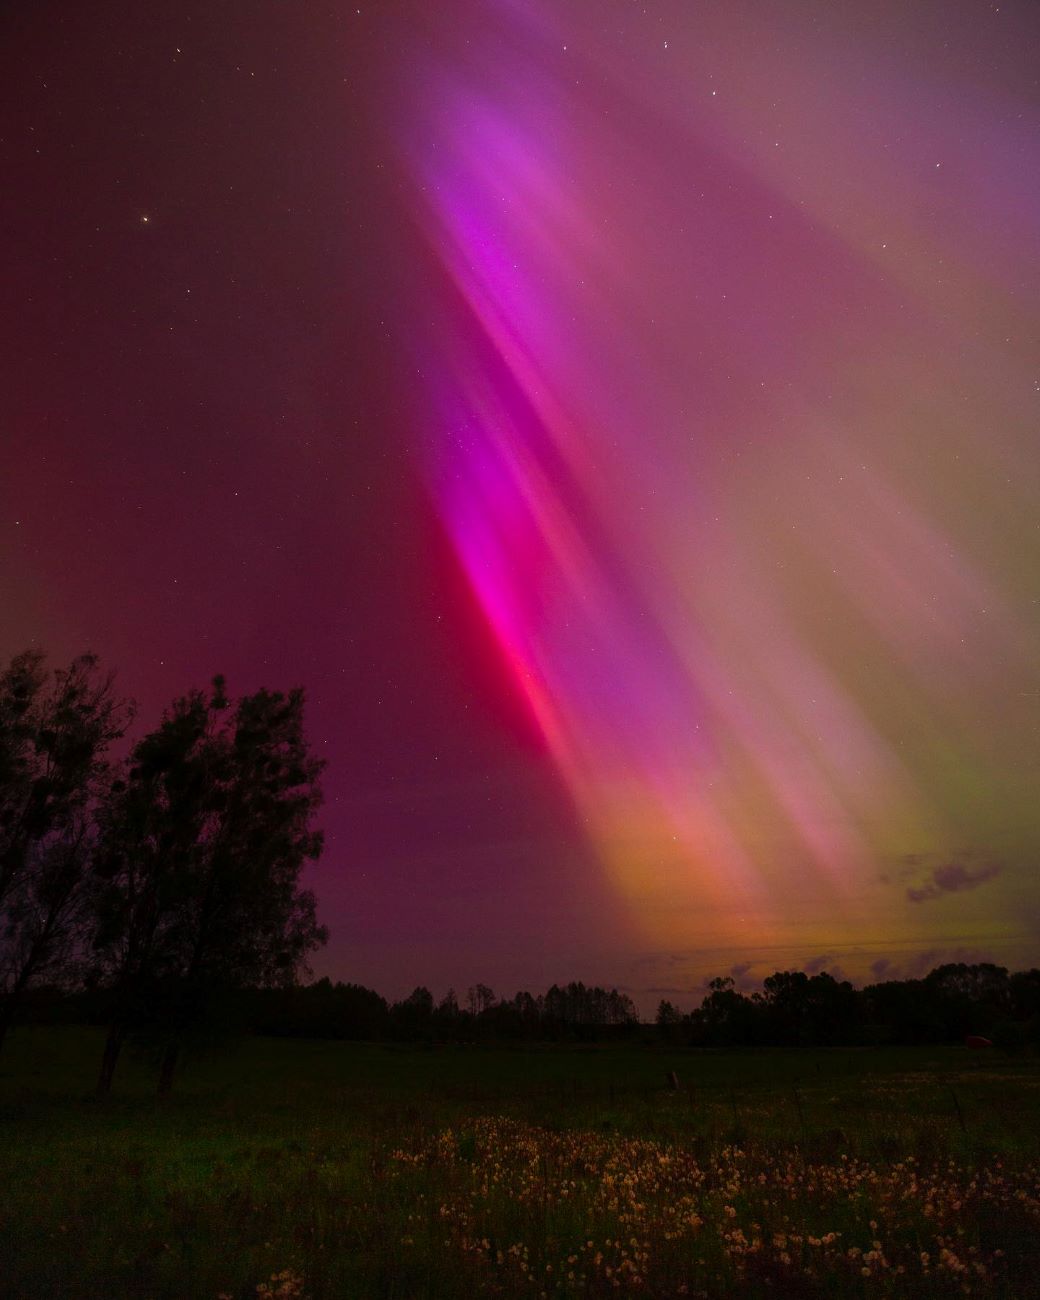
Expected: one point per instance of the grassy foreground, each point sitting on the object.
(324, 1170)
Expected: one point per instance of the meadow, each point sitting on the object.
(323, 1169)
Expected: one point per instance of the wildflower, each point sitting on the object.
(286, 1285)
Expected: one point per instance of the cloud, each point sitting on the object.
(952, 878)
(828, 962)
(742, 978)
(916, 965)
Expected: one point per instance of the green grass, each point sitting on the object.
(385, 1171)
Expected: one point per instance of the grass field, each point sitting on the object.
(325, 1169)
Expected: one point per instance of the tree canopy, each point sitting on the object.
(55, 730)
(163, 881)
(202, 845)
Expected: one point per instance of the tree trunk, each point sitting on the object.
(6, 1016)
(14, 996)
(113, 1046)
(169, 1065)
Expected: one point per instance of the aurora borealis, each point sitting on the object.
(621, 418)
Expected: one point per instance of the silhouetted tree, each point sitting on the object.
(669, 1020)
(621, 1010)
(203, 843)
(905, 1011)
(807, 1010)
(972, 998)
(55, 730)
(579, 1011)
(528, 1016)
(1024, 988)
(318, 1010)
(413, 1016)
(480, 998)
(360, 1012)
(449, 1020)
(726, 1017)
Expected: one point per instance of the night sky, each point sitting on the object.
(621, 418)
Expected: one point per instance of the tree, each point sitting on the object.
(621, 1010)
(21, 687)
(806, 1010)
(448, 1018)
(906, 1011)
(55, 730)
(972, 997)
(203, 842)
(1024, 987)
(527, 1011)
(480, 998)
(414, 1015)
(669, 1021)
(725, 1017)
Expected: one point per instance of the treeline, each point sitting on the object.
(160, 883)
(323, 1009)
(951, 1003)
(327, 1010)
(792, 1009)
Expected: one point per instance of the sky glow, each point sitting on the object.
(621, 418)
(736, 418)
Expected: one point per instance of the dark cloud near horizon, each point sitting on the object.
(952, 878)
(917, 965)
(825, 962)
